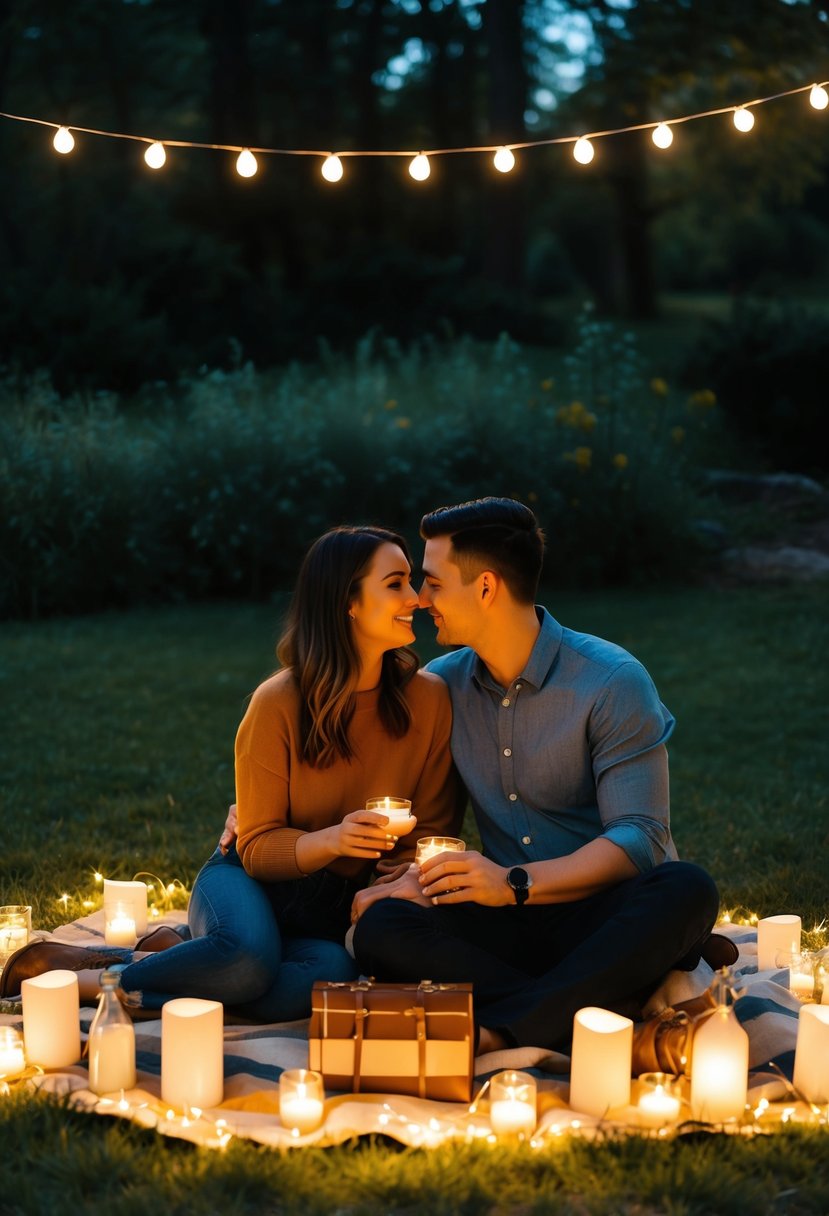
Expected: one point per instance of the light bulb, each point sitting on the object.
(246, 164)
(155, 156)
(662, 135)
(332, 168)
(818, 97)
(743, 119)
(503, 160)
(420, 168)
(64, 140)
(583, 151)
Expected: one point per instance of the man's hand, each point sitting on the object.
(406, 886)
(231, 829)
(457, 878)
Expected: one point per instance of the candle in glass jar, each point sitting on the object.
(301, 1099)
(432, 846)
(512, 1104)
(12, 1058)
(658, 1098)
(398, 811)
(119, 927)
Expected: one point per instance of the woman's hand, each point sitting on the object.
(361, 834)
(401, 886)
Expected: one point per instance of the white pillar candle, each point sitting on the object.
(132, 896)
(512, 1104)
(811, 1057)
(51, 1019)
(719, 1068)
(119, 925)
(12, 1059)
(301, 1098)
(776, 934)
(601, 1061)
(192, 1053)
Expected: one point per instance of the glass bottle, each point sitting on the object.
(719, 1061)
(111, 1041)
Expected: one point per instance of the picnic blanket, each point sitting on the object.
(255, 1056)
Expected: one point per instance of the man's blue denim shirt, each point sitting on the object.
(572, 750)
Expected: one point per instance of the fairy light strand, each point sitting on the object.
(419, 168)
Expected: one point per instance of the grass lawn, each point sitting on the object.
(117, 756)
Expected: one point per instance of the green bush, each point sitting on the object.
(768, 368)
(217, 490)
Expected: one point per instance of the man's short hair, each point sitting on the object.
(497, 534)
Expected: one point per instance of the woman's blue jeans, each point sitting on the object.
(256, 947)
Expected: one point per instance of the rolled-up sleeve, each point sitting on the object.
(628, 729)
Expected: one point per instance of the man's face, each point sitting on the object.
(452, 605)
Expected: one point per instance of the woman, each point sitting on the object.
(349, 716)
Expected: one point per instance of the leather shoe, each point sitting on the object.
(719, 951)
(38, 957)
(664, 1043)
(161, 938)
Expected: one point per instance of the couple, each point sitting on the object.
(559, 740)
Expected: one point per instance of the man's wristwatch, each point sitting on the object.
(520, 882)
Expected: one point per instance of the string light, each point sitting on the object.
(662, 135)
(332, 168)
(818, 97)
(246, 164)
(64, 141)
(420, 168)
(155, 156)
(583, 151)
(504, 160)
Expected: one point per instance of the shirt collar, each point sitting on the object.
(542, 656)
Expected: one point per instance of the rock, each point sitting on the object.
(787, 563)
(764, 487)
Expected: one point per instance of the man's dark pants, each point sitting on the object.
(533, 967)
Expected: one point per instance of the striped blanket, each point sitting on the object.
(255, 1056)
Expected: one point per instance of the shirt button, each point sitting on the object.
(517, 686)
(507, 751)
(505, 702)
(526, 839)
(513, 797)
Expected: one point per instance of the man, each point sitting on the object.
(577, 897)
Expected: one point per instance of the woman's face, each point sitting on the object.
(382, 612)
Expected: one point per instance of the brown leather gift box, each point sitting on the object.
(414, 1039)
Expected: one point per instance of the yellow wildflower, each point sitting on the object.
(703, 399)
(582, 458)
(547, 385)
(678, 434)
(587, 421)
(391, 404)
(659, 387)
(572, 414)
(403, 423)
(620, 460)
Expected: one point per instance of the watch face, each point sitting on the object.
(518, 879)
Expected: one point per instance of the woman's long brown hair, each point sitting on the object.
(318, 647)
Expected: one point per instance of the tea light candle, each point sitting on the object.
(398, 811)
(774, 935)
(802, 977)
(433, 846)
(811, 1057)
(119, 926)
(192, 1053)
(301, 1096)
(12, 1058)
(15, 926)
(51, 1019)
(512, 1105)
(132, 896)
(601, 1061)
(658, 1098)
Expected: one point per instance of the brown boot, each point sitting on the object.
(664, 1042)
